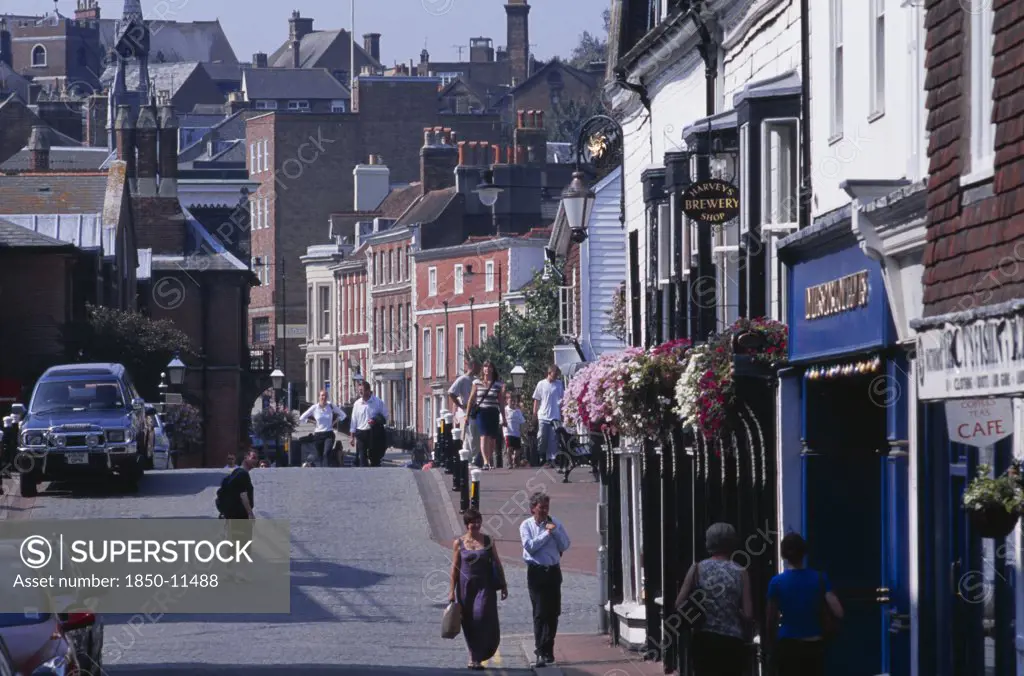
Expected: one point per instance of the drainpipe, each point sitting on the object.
(805, 113)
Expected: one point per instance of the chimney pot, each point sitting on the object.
(521, 119)
(462, 153)
(473, 146)
(39, 149)
(497, 154)
(540, 119)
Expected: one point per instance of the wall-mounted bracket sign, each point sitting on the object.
(979, 422)
(837, 296)
(713, 201)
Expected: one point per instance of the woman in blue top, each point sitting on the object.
(795, 635)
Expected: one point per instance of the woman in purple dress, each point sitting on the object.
(477, 575)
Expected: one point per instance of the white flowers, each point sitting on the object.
(687, 389)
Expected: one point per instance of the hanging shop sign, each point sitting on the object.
(839, 295)
(712, 201)
(979, 422)
(981, 359)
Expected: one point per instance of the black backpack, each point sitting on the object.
(220, 502)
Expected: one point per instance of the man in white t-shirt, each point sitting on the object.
(547, 409)
(458, 394)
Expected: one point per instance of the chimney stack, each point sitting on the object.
(124, 138)
(296, 54)
(372, 183)
(168, 122)
(299, 26)
(38, 149)
(6, 53)
(371, 44)
(438, 159)
(517, 13)
(259, 60)
(530, 138)
(146, 142)
(87, 10)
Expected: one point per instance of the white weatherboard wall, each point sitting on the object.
(602, 268)
(636, 158)
(760, 44)
(871, 146)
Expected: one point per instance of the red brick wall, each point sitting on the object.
(975, 251)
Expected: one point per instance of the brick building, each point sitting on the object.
(304, 164)
(460, 291)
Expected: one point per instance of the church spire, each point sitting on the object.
(132, 11)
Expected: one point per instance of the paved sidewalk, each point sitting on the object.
(592, 655)
(505, 502)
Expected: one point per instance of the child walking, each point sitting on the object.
(513, 438)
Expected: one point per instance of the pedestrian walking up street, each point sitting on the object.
(798, 598)
(719, 591)
(513, 433)
(459, 393)
(544, 541)
(368, 434)
(326, 415)
(477, 576)
(547, 410)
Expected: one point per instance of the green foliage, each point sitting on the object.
(591, 47)
(1005, 491)
(272, 423)
(144, 345)
(528, 338)
(185, 425)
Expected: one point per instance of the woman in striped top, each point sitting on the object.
(488, 394)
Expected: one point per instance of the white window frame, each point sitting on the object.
(836, 65)
(266, 155)
(876, 12)
(769, 222)
(401, 331)
(432, 281)
(489, 276)
(389, 337)
(983, 130)
(32, 56)
(441, 354)
(396, 270)
(427, 352)
(324, 313)
(339, 106)
(482, 335)
(428, 414)
(299, 104)
(266, 104)
(664, 216)
(460, 345)
(252, 159)
(744, 178)
(459, 279)
(566, 310)
(917, 162)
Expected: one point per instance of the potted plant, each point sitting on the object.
(995, 504)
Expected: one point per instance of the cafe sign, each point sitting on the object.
(979, 422)
(712, 201)
(981, 359)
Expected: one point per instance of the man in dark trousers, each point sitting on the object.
(235, 502)
(368, 434)
(544, 541)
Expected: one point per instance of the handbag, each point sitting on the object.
(451, 620)
(476, 406)
(829, 622)
(691, 622)
(497, 572)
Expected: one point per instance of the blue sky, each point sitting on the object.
(555, 25)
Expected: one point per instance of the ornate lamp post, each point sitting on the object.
(518, 374)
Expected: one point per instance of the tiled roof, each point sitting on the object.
(13, 235)
(176, 41)
(162, 76)
(12, 83)
(292, 83)
(313, 46)
(429, 207)
(61, 159)
(220, 72)
(398, 200)
(52, 193)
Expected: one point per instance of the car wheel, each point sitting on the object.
(27, 486)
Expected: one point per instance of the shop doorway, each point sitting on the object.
(855, 521)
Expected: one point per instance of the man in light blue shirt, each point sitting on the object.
(544, 541)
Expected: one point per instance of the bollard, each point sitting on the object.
(474, 489)
(454, 459)
(465, 455)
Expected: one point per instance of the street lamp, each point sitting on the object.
(277, 378)
(176, 369)
(518, 374)
(487, 191)
(578, 202)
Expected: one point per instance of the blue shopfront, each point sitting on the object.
(843, 442)
(969, 380)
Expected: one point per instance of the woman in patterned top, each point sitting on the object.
(720, 589)
(488, 394)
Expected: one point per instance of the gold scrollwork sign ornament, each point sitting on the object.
(598, 146)
(837, 296)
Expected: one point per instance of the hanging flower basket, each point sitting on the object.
(994, 504)
(993, 521)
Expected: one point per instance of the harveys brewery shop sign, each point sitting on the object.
(711, 201)
(981, 359)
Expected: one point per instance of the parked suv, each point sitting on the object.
(83, 420)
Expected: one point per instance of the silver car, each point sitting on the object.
(163, 456)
